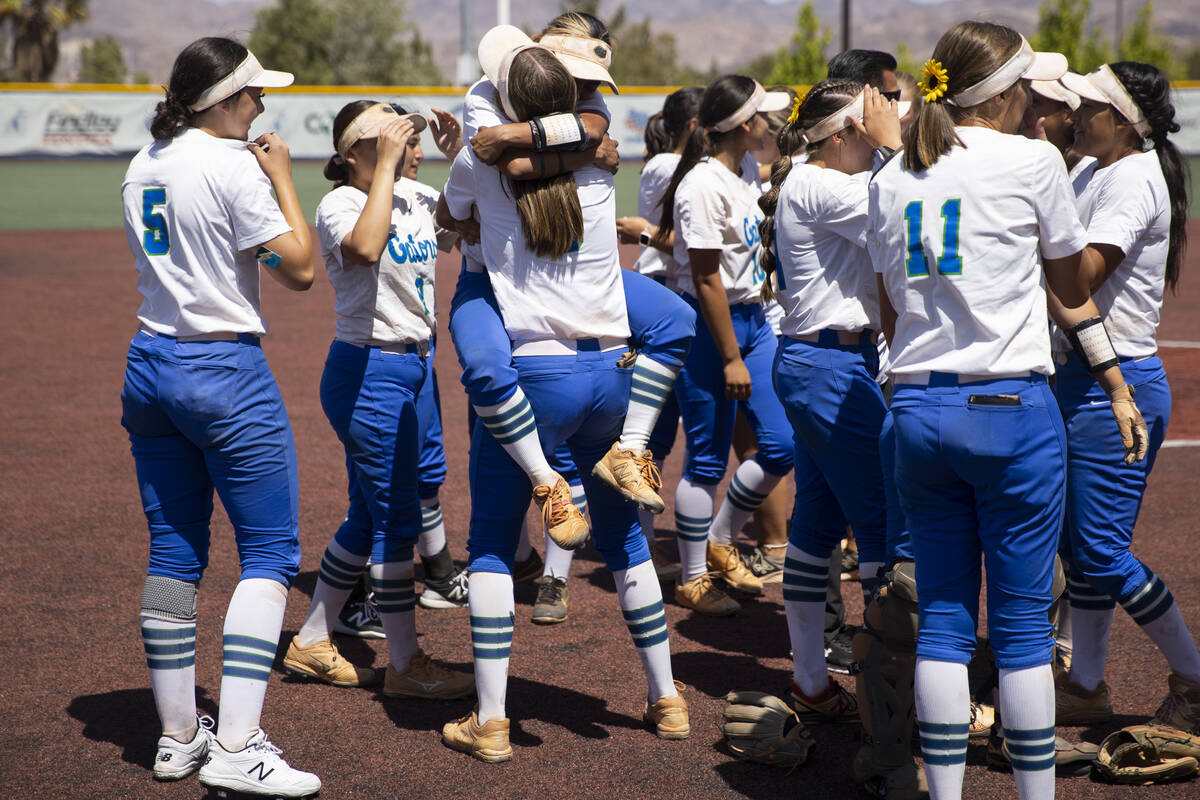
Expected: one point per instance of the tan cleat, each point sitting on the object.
(427, 680)
(725, 560)
(702, 595)
(487, 741)
(1180, 709)
(833, 704)
(564, 522)
(321, 660)
(983, 717)
(669, 716)
(633, 475)
(1074, 705)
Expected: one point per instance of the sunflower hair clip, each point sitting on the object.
(795, 115)
(934, 81)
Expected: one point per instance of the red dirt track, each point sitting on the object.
(79, 720)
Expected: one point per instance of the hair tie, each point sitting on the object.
(934, 81)
(795, 115)
(338, 160)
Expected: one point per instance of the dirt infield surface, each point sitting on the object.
(78, 716)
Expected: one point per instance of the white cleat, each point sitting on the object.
(256, 769)
(176, 760)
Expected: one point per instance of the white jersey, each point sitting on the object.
(388, 302)
(656, 177)
(196, 210)
(960, 249)
(480, 110)
(716, 209)
(428, 196)
(1126, 205)
(579, 296)
(825, 277)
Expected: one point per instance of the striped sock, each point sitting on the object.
(490, 601)
(250, 639)
(1027, 709)
(171, 656)
(652, 384)
(642, 606)
(693, 517)
(1171, 634)
(433, 528)
(340, 571)
(805, 577)
(748, 489)
(1148, 602)
(514, 427)
(943, 721)
(392, 583)
(558, 560)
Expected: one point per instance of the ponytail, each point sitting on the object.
(197, 67)
(1151, 92)
(766, 229)
(170, 118)
(699, 144)
(656, 137)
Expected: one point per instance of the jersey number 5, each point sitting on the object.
(155, 239)
(950, 263)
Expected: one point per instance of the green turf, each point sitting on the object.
(75, 193)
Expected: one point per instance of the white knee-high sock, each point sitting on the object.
(653, 383)
(748, 489)
(524, 545)
(1027, 711)
(1090, 628)
(171, 656)
(490, 600)
(433, 528)
(340, 571)
(250, 639)
(805, 577)
(1171, 634)
(943, 720)
(392, 583)
(558, 560)
(642, 606)
(693, 518)
(513, 425)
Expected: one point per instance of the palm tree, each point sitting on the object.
(34, 26)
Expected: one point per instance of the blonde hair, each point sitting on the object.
(579, 24)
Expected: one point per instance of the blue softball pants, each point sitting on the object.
(204, 416)
(836, 409)
(1104, 494)
(369, 397)
(661, 327)
(431, 467)
(580, 400)
(899, 543)
(708, 416)
(976, 478)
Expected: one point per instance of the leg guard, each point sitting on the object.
(169, 599)
(885, 657)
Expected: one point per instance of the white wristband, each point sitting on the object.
(1091, 343)
(561, 132)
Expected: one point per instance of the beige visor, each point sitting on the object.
(585, 59)
(1025, 63)
(247, 73)
(497, 49)
(1103, 86)
(837, 120)
(370, 122)
(760, 100)
(1054, 90)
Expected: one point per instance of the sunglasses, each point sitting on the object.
(891, 95)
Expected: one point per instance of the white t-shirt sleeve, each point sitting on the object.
(253, 211)
(700, 214)
(480, 110)
(336, 217)
(1122, 212)
(460, 186)
(1060, 232)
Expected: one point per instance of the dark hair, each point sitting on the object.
(723, 97)
(655, 136)
(822, 100)
(863, 66)
(336, 169)
(197, 67)
(970, 52)
(1151, 91)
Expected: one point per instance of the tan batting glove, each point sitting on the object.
(1134, 434)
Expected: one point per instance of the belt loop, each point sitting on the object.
(942, 379)
(827, 337)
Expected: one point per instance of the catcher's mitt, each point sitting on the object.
(760, 727)
(1144, 754)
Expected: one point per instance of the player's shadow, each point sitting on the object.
(127, 718)
(826, 773)
(759, 629)
(716, 674)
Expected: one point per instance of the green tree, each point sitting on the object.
(33, 28)
(1143, 43)
(1063, 28)
(803, 61)
(642, 56)
(906, 62)
(102, 61)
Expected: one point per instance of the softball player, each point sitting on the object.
(712, 209)
(1133, 201)
(378, 241)
(553, 264)
(202, 408)
(963, 230)
(825, 373)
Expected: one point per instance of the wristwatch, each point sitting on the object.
(644, 236)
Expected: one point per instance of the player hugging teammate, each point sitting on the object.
(932, 278)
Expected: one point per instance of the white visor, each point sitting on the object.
(1025, 63)
(585, 59)
(370, 122)
(760, 100)
(1054, 90)
(837, 120)
(496, 51)
(247, 73)
(1103, 86)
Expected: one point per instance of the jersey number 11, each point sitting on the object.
(950, 263)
